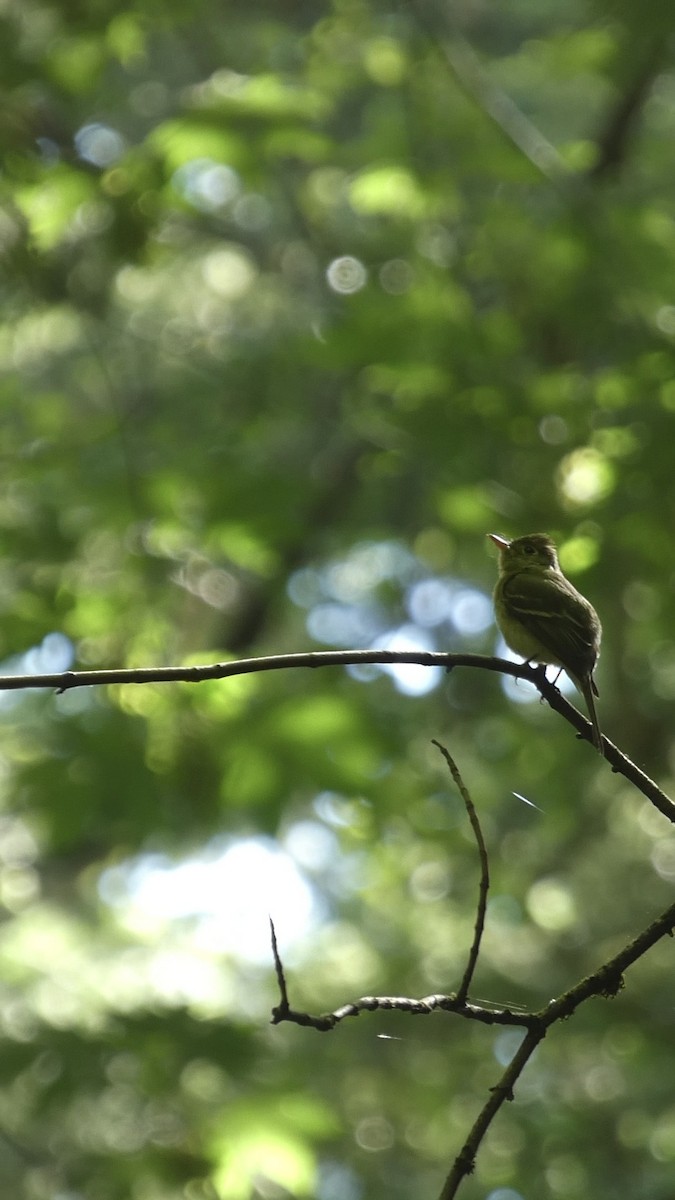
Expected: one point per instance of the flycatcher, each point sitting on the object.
(543, 617)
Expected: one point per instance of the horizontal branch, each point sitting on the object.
(605, 981)
(67, 680)
(325, 1022)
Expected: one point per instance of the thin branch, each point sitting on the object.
(326, 1022)
(503, 111)
(620, 763)
(66, 680)
(278, 967)
(465, 1161)
(606, 981)
(475, 82)
(484, 874)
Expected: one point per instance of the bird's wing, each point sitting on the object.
(554, 612)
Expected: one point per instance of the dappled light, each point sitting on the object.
(346, 275)
(341, 599)
(229, 892)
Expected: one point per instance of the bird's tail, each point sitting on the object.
(590, 691)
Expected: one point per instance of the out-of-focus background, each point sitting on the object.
(299, 301)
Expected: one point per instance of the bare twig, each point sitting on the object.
(278, 967)
(619, 762)
(606, 981)
(484, 874)
(325, 1022)
(465, 1161)
(67, 680)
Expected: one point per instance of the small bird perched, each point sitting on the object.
(543, 617)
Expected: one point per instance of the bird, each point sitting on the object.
(543, 617)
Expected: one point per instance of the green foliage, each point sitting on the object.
(299, 302)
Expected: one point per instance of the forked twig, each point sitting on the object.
(607, 982)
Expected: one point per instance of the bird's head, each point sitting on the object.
(534, 550)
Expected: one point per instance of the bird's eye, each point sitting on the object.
(528, 549)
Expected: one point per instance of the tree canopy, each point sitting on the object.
(299, 302)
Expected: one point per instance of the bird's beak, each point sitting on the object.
(499, 541)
